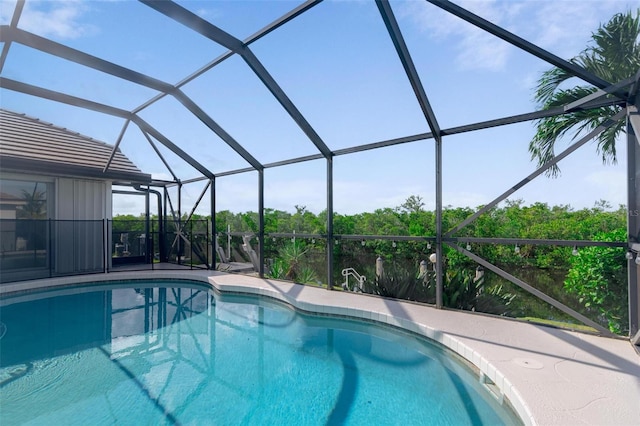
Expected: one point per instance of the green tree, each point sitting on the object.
(598, 275)
(413, 204)
(613, 55)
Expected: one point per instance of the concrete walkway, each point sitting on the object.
(550, 376)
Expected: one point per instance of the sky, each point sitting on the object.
(338, 66)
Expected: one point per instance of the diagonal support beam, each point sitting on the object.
(159, 154)
(530, 116)
(146, 127)
(229, 53)
(289, 16)
(598, 94)
(205, 28)
(407, 62)
(115, 146)
(595, 132)
(195, 206)
(275, 89)
(522, 44)
(196, 23)
(423, 136)
(105, 109)
(17, 12)
(523, 285)
(76, 56)
(28, 89)
(56, 49)
(217, 129)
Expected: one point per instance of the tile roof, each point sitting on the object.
(27, 143)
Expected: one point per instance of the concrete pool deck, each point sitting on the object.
(550, 376)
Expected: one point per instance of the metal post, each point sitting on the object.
(438, 264)
(329, 223)
(147, 235)
(164, 220)
(190, 222)
(261, 221)
(105, 245)
(179, 227)
(50, 254)
(633, 226)
(212, 196)
(161, 236)
(152, 244)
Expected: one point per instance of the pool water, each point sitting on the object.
(171, 353)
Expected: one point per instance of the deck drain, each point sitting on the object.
(528, 363)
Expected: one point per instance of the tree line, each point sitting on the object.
(591, 279)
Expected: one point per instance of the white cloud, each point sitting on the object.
(58, 19)
(474, 48)
(563, 27)
(481, 51)
(550, 31)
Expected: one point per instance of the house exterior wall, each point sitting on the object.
(81, 207)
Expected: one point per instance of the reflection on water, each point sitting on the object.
(180, 354)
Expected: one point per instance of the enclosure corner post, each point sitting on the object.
(329, 223)
(214, 235)
(261, 221)
(438, 263)
(633, 224)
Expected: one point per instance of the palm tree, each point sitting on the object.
(35, 206)
(613, 56)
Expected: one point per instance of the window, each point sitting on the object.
(24, 200)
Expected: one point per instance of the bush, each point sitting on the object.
(462, 289)
(598, 275)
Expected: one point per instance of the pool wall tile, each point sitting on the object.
(483, 365)
(476, 359)
(448, 342)
(468, 353)
(430, 333)
(499, 381)
(491, 372)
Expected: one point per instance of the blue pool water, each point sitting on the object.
(172, 353)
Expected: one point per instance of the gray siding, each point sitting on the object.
(79, 242)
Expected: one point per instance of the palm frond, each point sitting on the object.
(550, 129)
(613, 55)
(548, 84)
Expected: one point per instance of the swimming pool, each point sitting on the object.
(179, 353)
